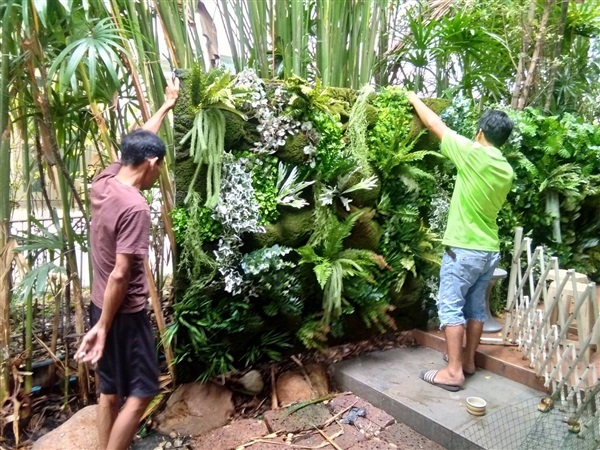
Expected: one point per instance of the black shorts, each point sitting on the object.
(129, 365)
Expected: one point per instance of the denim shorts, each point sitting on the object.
(464, 277)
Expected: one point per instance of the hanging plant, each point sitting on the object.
(212, 94)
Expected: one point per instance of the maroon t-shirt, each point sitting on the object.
(120, 224)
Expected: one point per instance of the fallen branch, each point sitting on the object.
(274, 399)
(334, 418)
(330, 440)
(298, 406)
(52, 355)
(304, 373)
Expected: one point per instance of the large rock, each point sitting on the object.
(196, 408)
(293, 387)
(75, 434)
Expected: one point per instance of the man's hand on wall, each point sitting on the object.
(171, 92)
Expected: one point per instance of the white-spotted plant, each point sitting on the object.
(238, 212)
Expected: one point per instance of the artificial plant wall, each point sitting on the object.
(307, 215)
(299, 216)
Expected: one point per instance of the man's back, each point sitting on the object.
(120, 224)
(483, 181)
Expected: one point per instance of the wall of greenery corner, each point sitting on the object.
(307, 216)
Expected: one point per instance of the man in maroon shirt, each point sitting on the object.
(120, 339)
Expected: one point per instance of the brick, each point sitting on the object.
(373, 444)
(313, 440)
(406, 438)
(379, 418)
(230, 436)
(293, 421)
(266, 445)
(344, 401)
(349, 437)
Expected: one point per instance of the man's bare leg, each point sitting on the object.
(453, 373)
(127, 423)
(106, 413)
(474, 331)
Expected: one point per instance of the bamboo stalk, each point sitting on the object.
(231, 39)
(74, 280)
(160, 319)
(29, 300)
(298, 46)
(5, 253)
(257, 14)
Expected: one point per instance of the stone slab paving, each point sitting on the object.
(289, 428)
(390, 380)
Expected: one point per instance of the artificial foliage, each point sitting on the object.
(324, 222)
(556, 193)
(311, 228)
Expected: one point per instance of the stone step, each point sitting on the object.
(506, 361)
(390, 381)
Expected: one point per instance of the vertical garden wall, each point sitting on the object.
(307, 215)
(300, 219)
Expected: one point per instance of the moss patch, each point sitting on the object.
(427, 141)
(293, 150)
(366, 233)
(183, 171)
(372, 114)
(239, 133)
(295, 227)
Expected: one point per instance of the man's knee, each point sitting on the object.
(137, 404)
(108, 400)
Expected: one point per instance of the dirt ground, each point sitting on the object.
(345, 422)
(319, 426)
(256, 425)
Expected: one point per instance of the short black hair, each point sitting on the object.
(496, 126)
(139, 145)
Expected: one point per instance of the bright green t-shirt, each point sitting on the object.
(484, 179)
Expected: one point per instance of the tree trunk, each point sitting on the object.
(537, 53)
(557, 53)
(526, 43)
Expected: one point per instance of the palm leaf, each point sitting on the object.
(34, 283)
(102, 42)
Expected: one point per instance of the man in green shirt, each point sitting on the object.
(483, 181)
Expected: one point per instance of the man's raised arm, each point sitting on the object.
(430, 119)
(171, 94)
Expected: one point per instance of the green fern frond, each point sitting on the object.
(411, 184)
(418, 173)
(332, 293)
(334, 241)
(313, 333)
(323, 271)
(418, 156)
(357, 128)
